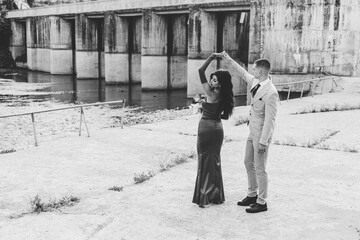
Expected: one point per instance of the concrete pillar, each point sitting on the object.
(256, 40)
(30, 43)
(178, 59)
(235, 41)
(154, 61)
(61, 55)
(122, 49)
(18, 43)
(88, 54)
(116, 49)
(201, 43)
(38, 39)
(135, 68)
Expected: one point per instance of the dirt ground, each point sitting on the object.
(313, 191)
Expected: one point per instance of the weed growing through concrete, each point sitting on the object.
(116, 189)
(239, 120)
(7, 151)
(38, 206)
(187, 134)
(179, 159)
(192, 154)
(352, 149)
(327, 108)
(310, 143)
(142, 177)
(228, 139)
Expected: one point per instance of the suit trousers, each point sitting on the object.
(255, 164)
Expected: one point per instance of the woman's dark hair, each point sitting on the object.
(226, 92)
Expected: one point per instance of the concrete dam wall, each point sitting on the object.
(162, 43)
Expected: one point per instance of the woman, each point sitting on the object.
(219, 105)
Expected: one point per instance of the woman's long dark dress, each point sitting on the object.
(209, 185)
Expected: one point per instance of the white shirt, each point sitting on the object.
(263, 83)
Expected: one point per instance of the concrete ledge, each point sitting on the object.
(113, 5)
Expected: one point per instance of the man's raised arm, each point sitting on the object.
(248, 78)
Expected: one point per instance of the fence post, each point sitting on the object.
(322, 86)
(80, 122)
(302, 90)
(123, 115)
(288, 93)
(82, 115)
(313, 89)
(33, 123)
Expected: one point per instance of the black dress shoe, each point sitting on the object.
(257, 207)
(247, 201)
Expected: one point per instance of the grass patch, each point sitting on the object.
(116, 189)
(327, 108)
(134, 117)
(142, 177)
(38, 206)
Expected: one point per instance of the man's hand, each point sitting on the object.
(225, 55)
(262, 148)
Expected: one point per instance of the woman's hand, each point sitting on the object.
(218, 55)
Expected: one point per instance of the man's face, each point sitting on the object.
(257, 72)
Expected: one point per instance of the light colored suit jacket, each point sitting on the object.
(263, 110)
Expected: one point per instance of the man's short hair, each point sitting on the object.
(263, 63)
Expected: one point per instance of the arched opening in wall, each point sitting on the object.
(232, 36)
(177, 50)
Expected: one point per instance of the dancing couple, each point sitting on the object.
(219, 105)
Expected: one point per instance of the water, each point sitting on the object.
(68, 89)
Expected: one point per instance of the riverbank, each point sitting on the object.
(313, 170)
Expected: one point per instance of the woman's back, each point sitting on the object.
(211, 110)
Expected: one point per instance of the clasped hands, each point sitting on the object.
(222, 55)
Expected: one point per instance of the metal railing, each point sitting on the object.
(82, 115)
(320, 79)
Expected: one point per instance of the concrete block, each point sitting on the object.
(117, 68)
(31, 55)
(154, 72)
(136, 68)
(17, 51)
(61, 61)
(38, 59)
(178, 72)
(87, 64)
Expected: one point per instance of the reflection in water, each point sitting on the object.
(67, 88)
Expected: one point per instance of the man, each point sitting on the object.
(264, 99)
